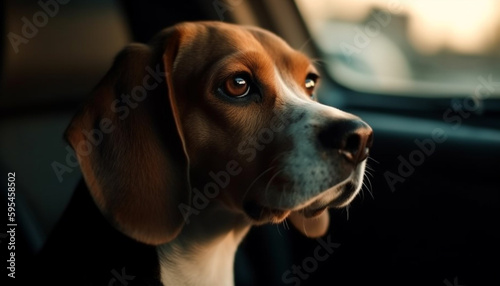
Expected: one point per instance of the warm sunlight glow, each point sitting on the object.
(463, 26)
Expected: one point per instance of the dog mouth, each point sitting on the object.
(346, 193)
(258, 212)
(335, 197)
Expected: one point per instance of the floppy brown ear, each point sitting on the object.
(311, 227)
(128, 146)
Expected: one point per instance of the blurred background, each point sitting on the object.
(409, 68)
(436, 47)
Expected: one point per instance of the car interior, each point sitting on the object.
(425, 76)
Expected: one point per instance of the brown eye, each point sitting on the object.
(310, 83)
(236, 86)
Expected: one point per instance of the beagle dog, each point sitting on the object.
(210, 129)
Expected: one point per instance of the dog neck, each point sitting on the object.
(203, 253)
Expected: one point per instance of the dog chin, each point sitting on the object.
(338, 196)
(260, 214)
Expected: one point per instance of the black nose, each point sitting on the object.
(352, 138)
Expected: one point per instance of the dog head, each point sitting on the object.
(213, 111)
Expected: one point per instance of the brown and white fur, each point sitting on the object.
(209, 129)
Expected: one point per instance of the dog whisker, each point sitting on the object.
(286, 225)
(368, 190)
(369, 170)
(280, 155)
(367, 166)
(371, 158)
(370, 184)
(369, 173)
(307, 42)
(303, 227)
(278, 229)
(256, 179)
(270, 181)
(318, 61)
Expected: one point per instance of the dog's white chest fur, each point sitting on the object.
(189, 260)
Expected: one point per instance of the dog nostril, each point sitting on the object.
(352, 144)
(353, 148)
(352, 139)
(357, 145)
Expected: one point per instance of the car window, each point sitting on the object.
(405, 47)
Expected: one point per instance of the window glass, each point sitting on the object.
(409, 47)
